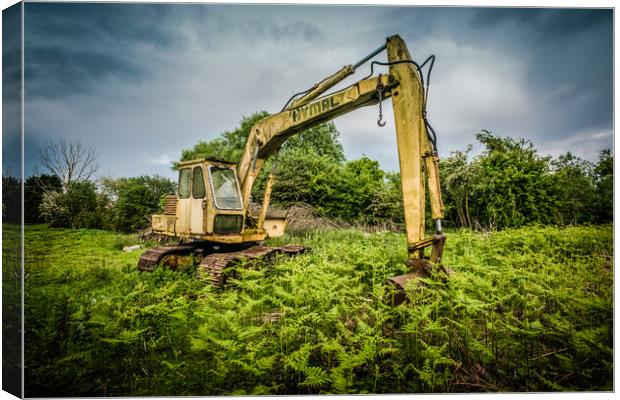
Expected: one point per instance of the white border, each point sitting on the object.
(462, 3)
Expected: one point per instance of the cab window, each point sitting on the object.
(184, 183)
(198, 184)
(225, 188)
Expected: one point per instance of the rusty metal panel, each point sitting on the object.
(170, 204)
(162, 223)
(274, 227)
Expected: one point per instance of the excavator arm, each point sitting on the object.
(416, 153)
(267, 136)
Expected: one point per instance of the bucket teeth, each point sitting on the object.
(396, 287)
(419, 269)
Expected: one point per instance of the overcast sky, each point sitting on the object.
(139, 83)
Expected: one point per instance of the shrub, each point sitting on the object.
(135, 199)
(11, 200)
(34, 189)
(74, 208)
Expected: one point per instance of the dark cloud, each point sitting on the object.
(11, 54)
(547, 22)
(71, 48)
(103, 25)
(491, 17)
(568, 21)
(156, 78)
(11, 91)
(56, 72)
(574, 81)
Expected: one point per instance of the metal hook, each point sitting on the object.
(380, 89)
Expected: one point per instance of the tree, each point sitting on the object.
(309, 177)
(575, 189)
(11, 199)
(75, 207)
(34, 189)
(322, 139)
(604, 182)
(363, 190)
(393, 198)
(457, 177)
(69, 161)
(513, 185)
(135, 199)
(228, 146)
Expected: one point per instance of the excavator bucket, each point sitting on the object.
(419, 267)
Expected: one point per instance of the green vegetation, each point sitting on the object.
(76, 206)
(132, 201)
(35, 188)
(508, 185)
(12, 365)
(529, 309)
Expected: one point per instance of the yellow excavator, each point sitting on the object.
(210, 212)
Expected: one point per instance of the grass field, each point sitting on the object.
(529, 309)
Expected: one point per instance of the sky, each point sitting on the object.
(141, 82)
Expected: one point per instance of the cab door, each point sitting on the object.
(198, 201)
(184, 201)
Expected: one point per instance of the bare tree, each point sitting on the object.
(69, 161)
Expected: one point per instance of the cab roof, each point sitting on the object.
(207, 161)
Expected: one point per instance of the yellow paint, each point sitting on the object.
(274, 227)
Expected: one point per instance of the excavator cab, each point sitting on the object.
(207, 202)
(212, 222)
(209, 206)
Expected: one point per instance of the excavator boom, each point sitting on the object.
(268, 135)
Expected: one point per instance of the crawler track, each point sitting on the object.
(152, 257)
(212, 268)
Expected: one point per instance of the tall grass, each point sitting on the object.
(528, 310)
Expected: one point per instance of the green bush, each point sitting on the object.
(135, 199)
(11, 199)
(510, 185)
(604, 182)
(76, 207)
(34, 189)
(303, 177)
(575, 190)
